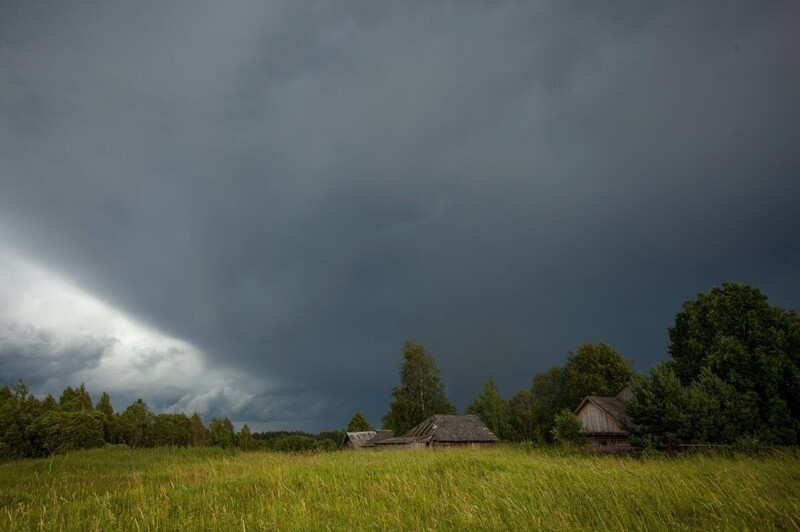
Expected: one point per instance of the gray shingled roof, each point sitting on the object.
(442, 428)
(382, 434)
(358, 439)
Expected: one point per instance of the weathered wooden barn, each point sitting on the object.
(443, 431)
(604, 419)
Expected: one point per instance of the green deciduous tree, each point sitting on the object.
(567, 428)
(523, 413)
(551, 392)
(421, 392)
(492, 409)
(60, 431)
(198, 430)
(295, 443)
(359, 423)
(221, 433)
(174, 430)
(136, 425)
(595, 369)
(733, 332)
(17, 410)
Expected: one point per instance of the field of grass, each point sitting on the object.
(509, 487)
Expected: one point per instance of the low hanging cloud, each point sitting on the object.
(278, 408)
(67, 349)
(39, 354)
(292, 189)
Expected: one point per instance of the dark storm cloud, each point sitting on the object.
(298, 188)
(283, 409)
(40, 354)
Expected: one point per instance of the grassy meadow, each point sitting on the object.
(508, 487)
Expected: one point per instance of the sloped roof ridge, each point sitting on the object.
(453, 428)
(610, 405)
(622, 388)
(359, 438)
(382, 435)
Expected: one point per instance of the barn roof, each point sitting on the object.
(443, 428)
(358, 439)
(624, 393)
(380, 436)
(610, 405)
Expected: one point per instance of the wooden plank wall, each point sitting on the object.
(595, 420)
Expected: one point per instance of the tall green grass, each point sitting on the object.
(508, 487)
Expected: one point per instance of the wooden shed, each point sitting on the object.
(604, 419)
(444, 431)
(364, 439)
(356, 440)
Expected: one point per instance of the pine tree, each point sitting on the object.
(492, 409)
(49, 403)
(222, 433)
(107, 410)
(75, 399)
(359, 423)
(246, 440)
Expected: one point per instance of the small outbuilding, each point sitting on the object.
(604, 420)
(381, 435)
(356, 440)
(364, 439)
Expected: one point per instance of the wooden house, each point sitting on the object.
(443, 431)
(604, 419)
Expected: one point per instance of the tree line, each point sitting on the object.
(32, 428)
(528, 415)
(734, 376)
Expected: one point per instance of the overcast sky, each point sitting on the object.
(245, 208)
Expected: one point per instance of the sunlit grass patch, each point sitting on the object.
(508, 487)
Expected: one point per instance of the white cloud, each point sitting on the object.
(54, 334)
